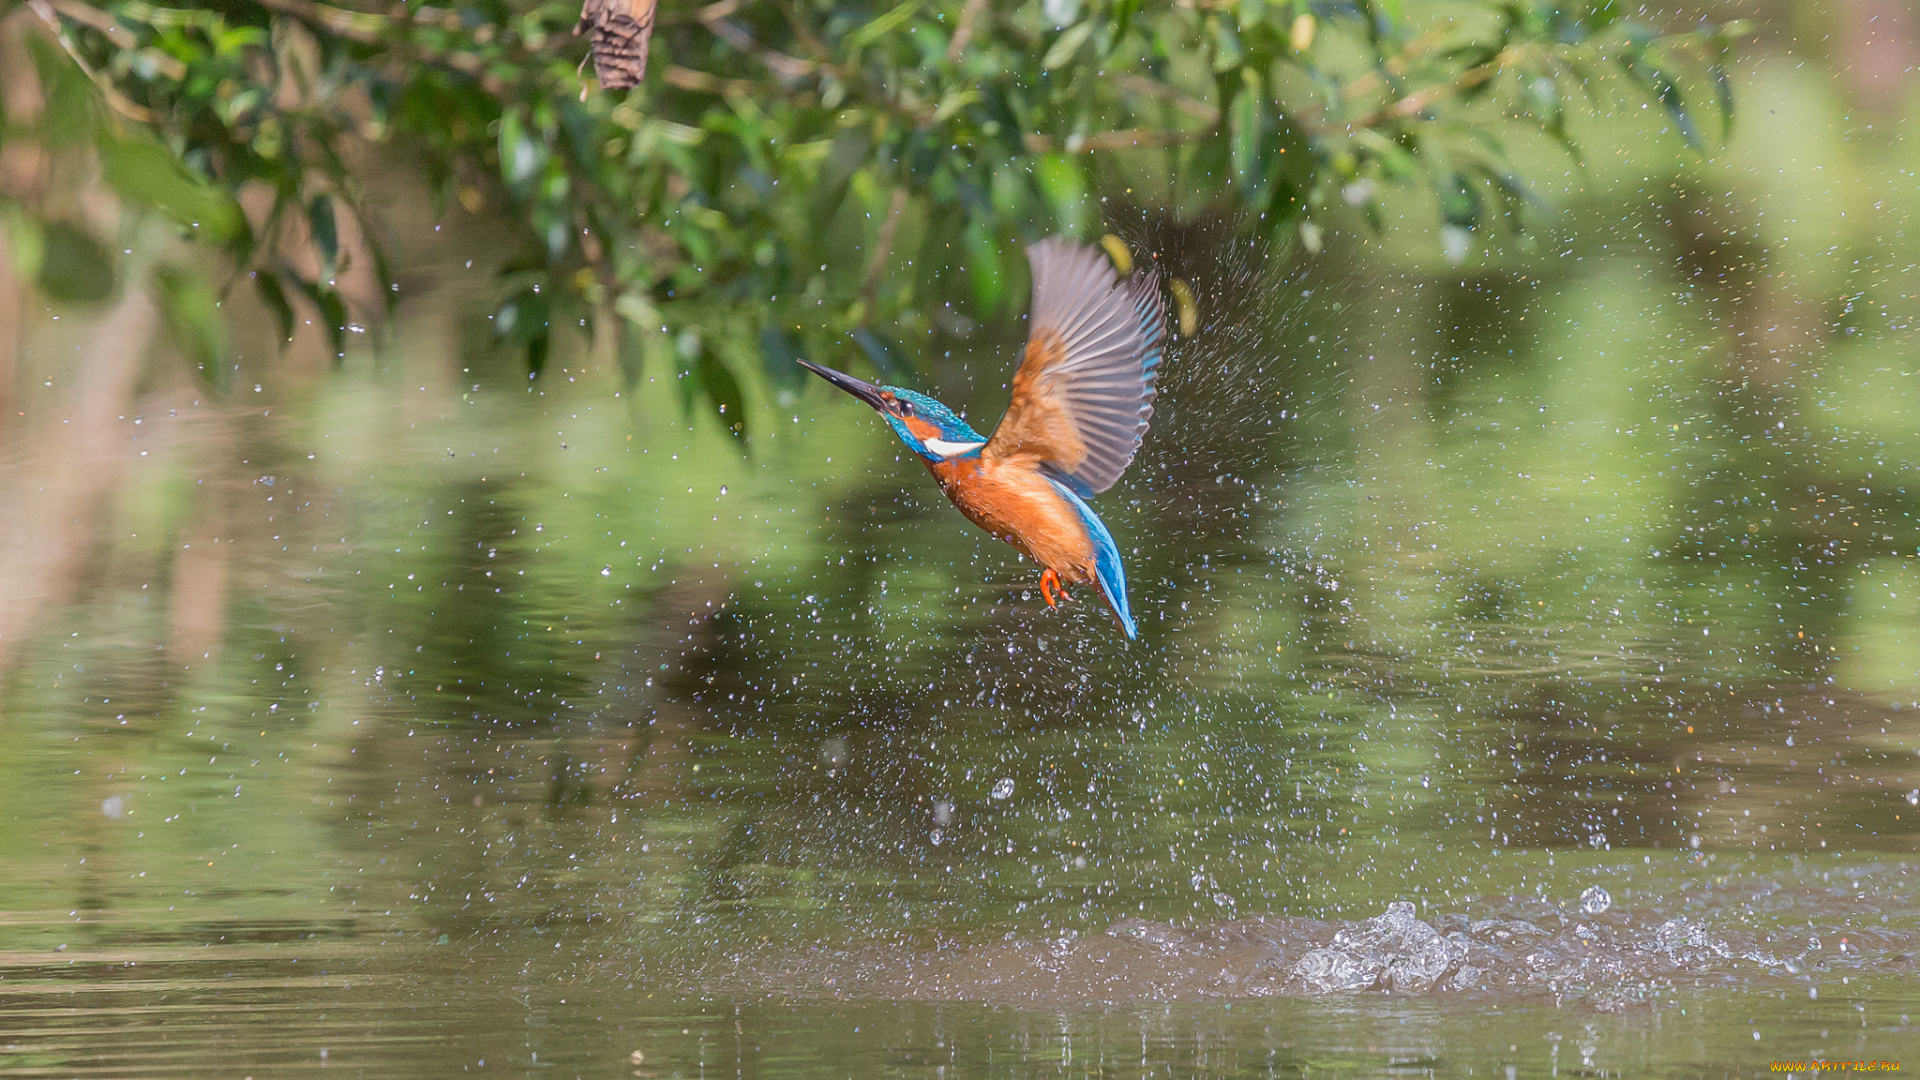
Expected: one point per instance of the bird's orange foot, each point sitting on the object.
(1050, 581)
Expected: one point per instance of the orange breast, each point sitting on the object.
(1019, 505)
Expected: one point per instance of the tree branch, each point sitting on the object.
(1420, 100)
(1146, 87)
(1397, 65)
(117, 101)
(702, 83)
(964, 32)
(781, 64)
(373, 30)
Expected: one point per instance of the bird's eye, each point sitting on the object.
(906, 408)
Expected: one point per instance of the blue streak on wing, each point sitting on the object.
(1106, 558)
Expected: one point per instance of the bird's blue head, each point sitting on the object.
(929, 428)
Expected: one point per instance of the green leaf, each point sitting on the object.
(522, 157)
(1667, 92)
(525, 320)
(881, 27)
(192, 316)
(523, 313)
(688, 349)
(326, 233)
(1459, 200)
(74, 267)
(1292, 168)
(1228, 51)
(382, 270)
(1723, 91)
(1722, 50)
(1515, 195)
(333, 315)
(723, 393)
(539, 347)
(147, 173)
(639, 311)
(274, 297)
(1066, 46)
(1396, 162)
(71, 112)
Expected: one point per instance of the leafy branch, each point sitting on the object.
(796, 176)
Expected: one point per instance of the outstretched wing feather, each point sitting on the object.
(1083, 394)
(621, 30)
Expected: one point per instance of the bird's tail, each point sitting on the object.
(1111, 576)
(1115, 594)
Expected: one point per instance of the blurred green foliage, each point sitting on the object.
(790, 176)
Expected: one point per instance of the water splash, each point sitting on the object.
(1500, 948)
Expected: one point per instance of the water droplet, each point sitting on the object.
(1003, 788)
(834, 752)
(1595, 900)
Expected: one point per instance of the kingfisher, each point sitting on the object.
(1082, 397)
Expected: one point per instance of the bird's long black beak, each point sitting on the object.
(859, 388)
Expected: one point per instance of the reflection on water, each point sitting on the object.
(1528, 681)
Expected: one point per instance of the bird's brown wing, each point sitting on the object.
(620, 31)
(1084, 391)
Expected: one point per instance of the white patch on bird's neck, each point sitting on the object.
(944, 449)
